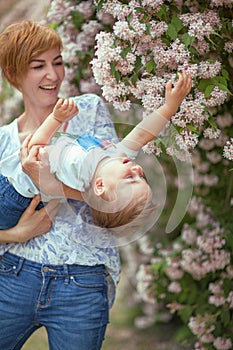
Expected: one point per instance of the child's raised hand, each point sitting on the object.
(64, 109)
(175, 95)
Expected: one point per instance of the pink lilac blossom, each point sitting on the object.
(211, 133)
(174, 273)
(116, 9)
(105, 18)
(201, 24)
(207, 144)
(59, 9)
(216, 98)
(157, 28)
(186, 140)
(202, 47)
(144, 279)
(86, 38)
(190, 112)
(126, 65)
(225, 120)
(222, 343)
(214, 157)
(121, 30)
(230, 300)
(174, 287)
(151, 148)
(189, 234)
(201, 325)
(181, 155)
(174, 307)
(153, 4)
(217, 297)
(218, 3)
(228, 150)
(208, 70)
(228, 47)
(86, 8)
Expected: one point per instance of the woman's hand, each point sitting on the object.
(35, 164)
(32, 223)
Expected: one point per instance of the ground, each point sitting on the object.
(121, 333)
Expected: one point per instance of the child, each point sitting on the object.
(105, 174)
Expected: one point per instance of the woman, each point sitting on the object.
(63, 280)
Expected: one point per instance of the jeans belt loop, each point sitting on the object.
(19, 267)
(67, 277)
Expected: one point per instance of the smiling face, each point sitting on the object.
(122, 178)
(42, 81)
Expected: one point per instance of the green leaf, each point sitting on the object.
(223, 88)
(185, 313)
(203, 83)
(125, 51)
(225, 74)
(225, 316)
(150, 66)
(113, 68)
(177, 23)
(187, 40)
(172, 32)
(208, 90)
(138, 65)
(100, 4)
(162, 13)
(114, 72)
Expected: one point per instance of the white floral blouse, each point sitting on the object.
(72, 239)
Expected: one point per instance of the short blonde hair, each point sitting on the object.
(20, 43)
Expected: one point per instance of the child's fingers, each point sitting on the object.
(168, 87)
(24, 147)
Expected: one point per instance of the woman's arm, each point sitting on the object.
(32, 223)
(64, 110)
(154, 123)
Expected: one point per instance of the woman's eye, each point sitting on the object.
(37, 67)
(58, 63)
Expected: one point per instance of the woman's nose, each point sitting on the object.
(51, 73)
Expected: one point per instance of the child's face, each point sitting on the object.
(124, 176)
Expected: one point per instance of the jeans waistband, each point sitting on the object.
(58, 270)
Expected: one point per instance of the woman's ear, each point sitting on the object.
(98, 186)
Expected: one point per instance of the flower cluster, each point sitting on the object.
(78, 23)
(192, 276)
(150, 42)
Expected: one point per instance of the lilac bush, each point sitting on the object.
(190, 275)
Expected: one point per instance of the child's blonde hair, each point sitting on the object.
(135, 213)
(20, 43)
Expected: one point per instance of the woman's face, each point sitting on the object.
(41, 84)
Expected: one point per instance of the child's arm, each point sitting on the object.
(35, 164)
(64, 110)
(152, 125)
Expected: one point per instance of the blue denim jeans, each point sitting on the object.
(12, 204)
(70, 301)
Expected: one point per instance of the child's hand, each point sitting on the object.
(64, 109)
(175, 95)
